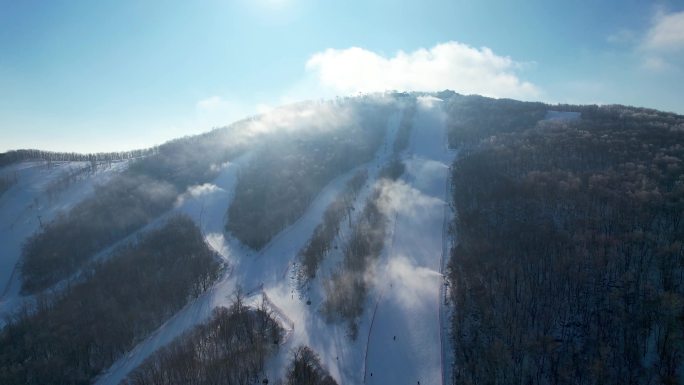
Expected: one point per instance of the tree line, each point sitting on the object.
(16, 156)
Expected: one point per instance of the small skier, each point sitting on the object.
(395, 338)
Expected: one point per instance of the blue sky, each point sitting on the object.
(89, 76)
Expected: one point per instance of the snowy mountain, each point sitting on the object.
(364, 240)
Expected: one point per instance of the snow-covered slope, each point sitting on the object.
(399, 335)
(267, 272)
(28, 203)
(404, 343)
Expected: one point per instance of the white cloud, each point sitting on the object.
(451, 65)
(666, 34)
(662, 46)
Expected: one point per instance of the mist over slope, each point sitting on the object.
(432, 238)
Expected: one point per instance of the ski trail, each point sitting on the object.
(405, 345)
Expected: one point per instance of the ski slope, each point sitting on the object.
(263, 274)
(400, 333)
(405, 294)
(404, 344)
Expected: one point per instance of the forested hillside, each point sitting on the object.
(231, 348)
(569, 266)
(132, 199)
(70, 336)
(277, 186)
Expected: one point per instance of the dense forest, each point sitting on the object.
(231, 349)
(121, 206)
(569, 266)
(282, 180)
(70, 336)
(474, 118)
